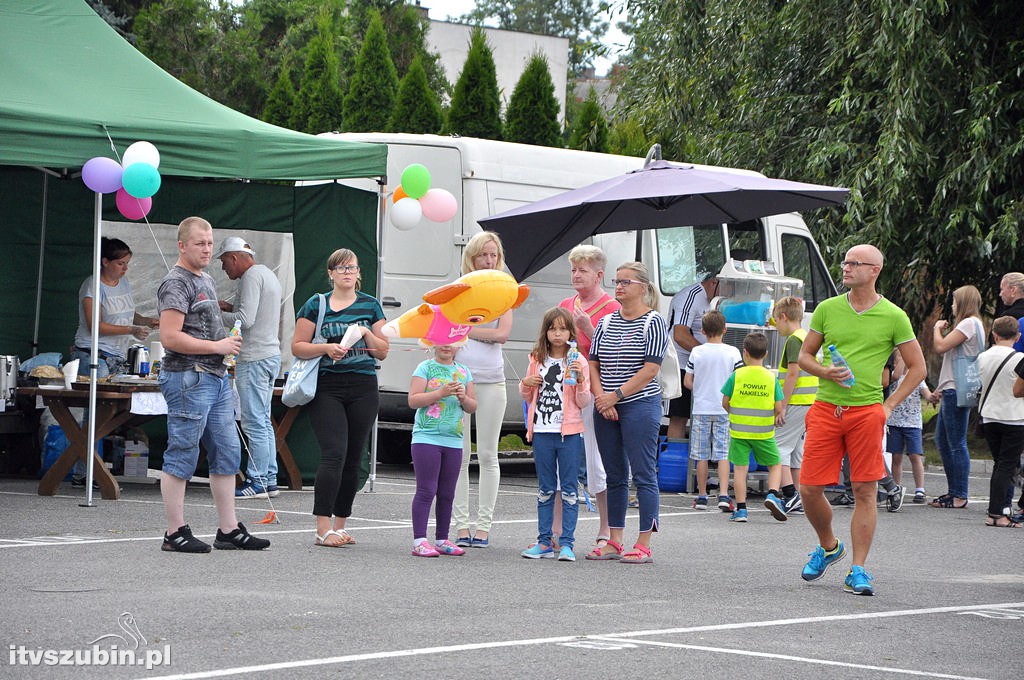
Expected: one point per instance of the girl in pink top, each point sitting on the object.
(554, 424)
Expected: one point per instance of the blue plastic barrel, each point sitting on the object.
(673, 464)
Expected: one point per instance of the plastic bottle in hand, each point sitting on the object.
(572, 355)
(236, 331)
(838, 360)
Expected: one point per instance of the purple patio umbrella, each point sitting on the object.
(658, 196)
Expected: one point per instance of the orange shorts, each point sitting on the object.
(832, 432)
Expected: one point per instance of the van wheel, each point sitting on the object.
(393, 447)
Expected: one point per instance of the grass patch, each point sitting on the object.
(976, 446)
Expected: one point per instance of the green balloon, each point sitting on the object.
(415, 180)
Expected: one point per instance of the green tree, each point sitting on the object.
(627, 137)
(417, 110)
(915, 106)
(578, 20)
(371, 95)
(318, 104)
(590, 132)
(532, 116)
(281, 101)
(475, 107)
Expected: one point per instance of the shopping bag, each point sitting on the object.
(300, 386)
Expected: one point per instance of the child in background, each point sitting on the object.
(753, 399)
(903, 429)
(707, 368)
(554, 423)
(441, 391)
(799, 390)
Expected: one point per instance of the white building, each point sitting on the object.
(512, 51)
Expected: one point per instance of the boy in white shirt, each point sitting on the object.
(707, 368)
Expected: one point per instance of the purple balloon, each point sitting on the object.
(102, 174)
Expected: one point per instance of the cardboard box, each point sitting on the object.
(136, 458)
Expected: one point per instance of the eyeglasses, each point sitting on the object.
(624, 282)
(854, 263)
(346, 268)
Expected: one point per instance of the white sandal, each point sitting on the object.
(322, 540)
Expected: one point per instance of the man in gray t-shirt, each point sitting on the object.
(259, 313)
(200, 404)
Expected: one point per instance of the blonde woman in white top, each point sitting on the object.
(482, 355)
(1003, 417)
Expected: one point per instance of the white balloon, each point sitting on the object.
(406, 214)
(141, 152)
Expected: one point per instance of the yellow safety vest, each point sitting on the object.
(752, 404)
(806, 384)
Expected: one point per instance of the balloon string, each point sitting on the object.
(112, 147)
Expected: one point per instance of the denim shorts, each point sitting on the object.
(904, 440)
(200, 408)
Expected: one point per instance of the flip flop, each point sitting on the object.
(994, 522)
(322, 540)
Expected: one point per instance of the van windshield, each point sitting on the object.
(687, 255)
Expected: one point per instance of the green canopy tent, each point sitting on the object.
(71, 89)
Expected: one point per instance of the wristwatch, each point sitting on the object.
(618, 393)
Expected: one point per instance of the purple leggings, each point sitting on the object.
(437, 472)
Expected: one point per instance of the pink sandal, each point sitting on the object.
(599, 554)
(638, 555)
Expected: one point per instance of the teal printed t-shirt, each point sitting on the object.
(440, 424)
(365, 311)
(865, 340)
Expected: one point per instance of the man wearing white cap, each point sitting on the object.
(258, 362)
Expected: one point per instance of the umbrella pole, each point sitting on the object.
(382, 198)
(42, 260)
(93, 353)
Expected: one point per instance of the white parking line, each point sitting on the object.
(618, 637)
(787, 657)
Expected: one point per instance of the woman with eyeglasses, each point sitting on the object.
(483, 356)
(967, 338)
(345, 406)
(625, 358)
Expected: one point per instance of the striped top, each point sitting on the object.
(621, 350)
(364, 311)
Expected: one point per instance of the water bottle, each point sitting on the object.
(572, 355)
(838, 360)
(236, 331)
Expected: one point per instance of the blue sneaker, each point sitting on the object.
(539, 551)
(820, 561)
(566, 554)
(859, 581)
(251, 490)
(739, 515)
(701, 503)
(273, 491)
(775, 507)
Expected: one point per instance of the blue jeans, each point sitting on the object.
(200, 408)
(631, 442)
(551, 453)
(255, 383)
(103, 369)
(951, 440)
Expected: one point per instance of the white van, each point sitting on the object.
(488, 177)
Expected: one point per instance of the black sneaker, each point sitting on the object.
(239, 539)
(182, 540)
(842, 499)
(895, 499)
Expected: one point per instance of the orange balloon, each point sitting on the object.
(399, 194)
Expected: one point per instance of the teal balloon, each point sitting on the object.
(415, 180)
(140, 180)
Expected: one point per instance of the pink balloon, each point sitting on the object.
(131, 207)
(438, 205)
(102, 174)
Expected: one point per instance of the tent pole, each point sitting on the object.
(381, 198)
(90, 454)
(39, 272)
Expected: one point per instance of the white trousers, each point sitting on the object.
(490, 411)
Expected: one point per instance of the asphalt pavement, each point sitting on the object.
(721, 600)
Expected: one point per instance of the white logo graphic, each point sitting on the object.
(120, 649)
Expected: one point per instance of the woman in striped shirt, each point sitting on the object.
(625, 358)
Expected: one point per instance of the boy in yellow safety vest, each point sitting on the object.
(799, 389)
(753, 398)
